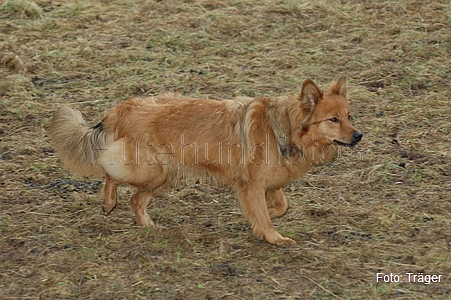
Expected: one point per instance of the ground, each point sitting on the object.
(383, 207)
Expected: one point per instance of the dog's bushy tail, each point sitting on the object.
(78, 145)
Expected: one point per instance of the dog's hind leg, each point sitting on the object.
(140, 200)
(109, 194)
(253, 205)
(277, 203)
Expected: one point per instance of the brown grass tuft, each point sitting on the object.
(22, 8)
(12, 61)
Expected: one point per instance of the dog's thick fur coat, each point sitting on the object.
(257, 146)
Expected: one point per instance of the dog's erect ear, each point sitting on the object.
(339, 87)
(310, 94)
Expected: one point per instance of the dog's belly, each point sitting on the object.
(130, 162)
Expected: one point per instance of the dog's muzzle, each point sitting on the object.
(356, 137)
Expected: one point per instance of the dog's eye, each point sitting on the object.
(349, 117)
(334, 119)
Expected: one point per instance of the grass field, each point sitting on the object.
(383, 208)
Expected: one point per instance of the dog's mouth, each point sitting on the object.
(353, 143)
(356, 137)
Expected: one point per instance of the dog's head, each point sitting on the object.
(327, 116)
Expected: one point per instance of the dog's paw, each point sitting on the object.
(277, 239)
(108, 208)
(144, 220)
(284, 241)
(277, 212)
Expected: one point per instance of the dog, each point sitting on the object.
(255, 145)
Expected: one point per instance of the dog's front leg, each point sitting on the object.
(251, 197)
(277, 203)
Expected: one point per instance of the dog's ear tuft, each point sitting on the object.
(310, 93)
(339, 87)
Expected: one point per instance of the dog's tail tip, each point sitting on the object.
(68, 115)
(73, 142)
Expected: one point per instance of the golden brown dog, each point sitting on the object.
(257, 146)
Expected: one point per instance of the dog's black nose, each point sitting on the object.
(357, 136)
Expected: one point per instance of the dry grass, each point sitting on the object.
(22, 8)
(384, 207)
